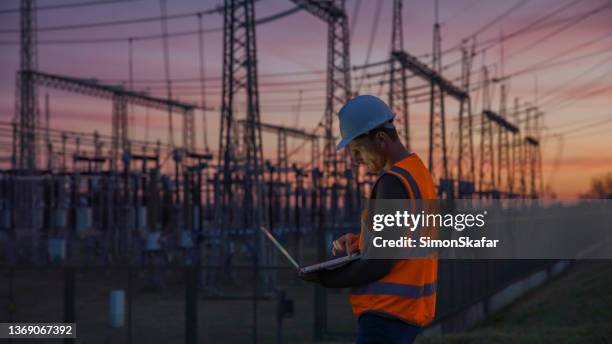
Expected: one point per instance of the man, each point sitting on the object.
(393, 299)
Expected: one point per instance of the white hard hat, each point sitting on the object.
(360, 115)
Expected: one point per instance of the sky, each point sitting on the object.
(569, 42)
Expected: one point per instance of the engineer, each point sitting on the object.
(392, 299)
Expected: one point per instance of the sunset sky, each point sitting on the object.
(570, 42)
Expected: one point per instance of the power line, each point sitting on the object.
(586, 126)
(547, 63)
(460, 12)
(373, 33)
(495, 20)
(576, 77)
(561, 29)
(582, 96)
(68, 5)
(213, 78)
(536, 25)
(102, 40)
(354, 19)
(590, 134)
(215, 10)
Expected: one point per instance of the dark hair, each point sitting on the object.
(390, 131)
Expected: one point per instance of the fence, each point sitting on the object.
(182, 309)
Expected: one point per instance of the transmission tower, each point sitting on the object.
(120, 129)
(438, 162)
(398, 91)
(27, 115)
(503, 148)
(522, 150)
(240, 74)
(533, 153)
(338, 92)
(486, 182)
(465, 164)
(338, 73)
(515, 152)
(189, 131)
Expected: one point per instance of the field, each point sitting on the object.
(575, 308)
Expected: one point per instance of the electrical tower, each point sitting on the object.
(465, 163)
(503, 146)
(120, 97)
(533, 153)
(486, 181)
(337, 94)
(398, 91)
(119, 128)
(240, 74)
(189, 131)
(522, 154)
(516, 153)
(27, 115)
(438, 159)
(338, 73)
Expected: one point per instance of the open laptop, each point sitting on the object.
(326, 265)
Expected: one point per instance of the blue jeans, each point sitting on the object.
(375, 329)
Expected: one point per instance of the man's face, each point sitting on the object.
(365, 151)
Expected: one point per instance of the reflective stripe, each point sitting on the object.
(396, 289)
(408, 176)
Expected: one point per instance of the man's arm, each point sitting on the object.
(364, 271)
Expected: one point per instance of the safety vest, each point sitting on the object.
(407, 292)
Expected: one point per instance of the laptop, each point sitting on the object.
(326, 265)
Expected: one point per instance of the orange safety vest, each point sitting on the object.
(407, 292)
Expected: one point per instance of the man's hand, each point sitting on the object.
(310, 276)
(348, 243)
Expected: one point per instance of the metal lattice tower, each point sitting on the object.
(282, 159)
(338, 92)
(120, 129)
(189, 131)
(27, 116)
(522, 149)
(338, 73)
(486, 182)
(438, 159)
(120, 97)
(465, 163)
(166, 49)
(503, 148)
(515, 159)
(398, 91)
(533, 153)
(240, 74)
(283, 174)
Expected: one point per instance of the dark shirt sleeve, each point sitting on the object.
(365, 271)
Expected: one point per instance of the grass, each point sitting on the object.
(575, 308)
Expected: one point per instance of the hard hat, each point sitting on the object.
(360, 115)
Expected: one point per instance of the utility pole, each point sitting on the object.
(338, 92)
(486, 182)
(437, 125)
(398, 91)
(240, 76)
(503, 148)
(119, 128)
(27, 115)
(465, 156)
(166, 48)
(338, 73)
(515, 151)
(533, 153)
